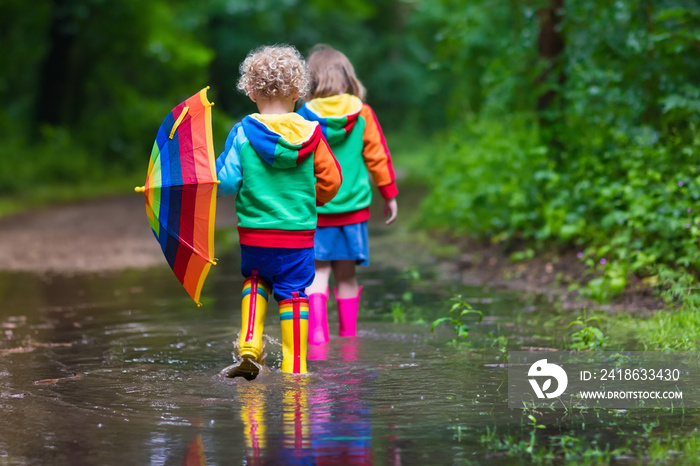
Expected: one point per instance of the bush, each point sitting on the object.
(486, 178)
(625, 198)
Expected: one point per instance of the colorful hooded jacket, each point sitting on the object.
(357, 141)
(281, 168)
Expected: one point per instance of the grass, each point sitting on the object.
(665, 330)
(572, 448)
(596, 436)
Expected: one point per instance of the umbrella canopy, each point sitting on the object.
(180, 191)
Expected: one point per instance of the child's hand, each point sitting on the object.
(391, 208)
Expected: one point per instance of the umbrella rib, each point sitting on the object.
(190, 246)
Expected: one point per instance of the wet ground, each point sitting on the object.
(120, 367)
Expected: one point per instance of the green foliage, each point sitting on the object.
(610, 282)
(561, 449)
(458, 320)
(57, 158)
(676, 448)
(405, 310)
(486, 178)
(102, 75)
(486, 53)
(574, 443)
(60, 170)
(587, 336)
(398, 313)
(498, 341)
(120, 116)
(388, 42)
(125, 62)
(611, 170)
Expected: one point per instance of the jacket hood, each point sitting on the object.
(282, 140)
(337, 115)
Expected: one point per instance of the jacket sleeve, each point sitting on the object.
(376, 155)
(327, 171)
(228, 165)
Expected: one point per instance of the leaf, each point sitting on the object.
(438, 322)
(671, 13)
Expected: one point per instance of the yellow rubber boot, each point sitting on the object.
(294, 318)
(256, 293)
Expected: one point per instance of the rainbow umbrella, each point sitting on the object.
(180, 191)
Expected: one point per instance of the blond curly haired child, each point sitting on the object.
(280, 168)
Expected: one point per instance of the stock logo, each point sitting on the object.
(545, 371)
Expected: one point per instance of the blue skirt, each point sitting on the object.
(345, 242)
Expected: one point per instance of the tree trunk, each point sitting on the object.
(550, 49)
(651, 111)
(53, 94)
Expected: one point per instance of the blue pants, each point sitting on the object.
(287, 270)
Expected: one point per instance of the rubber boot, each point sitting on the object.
(318, 318)
(256, 294)
(347, 314)
(294, 318)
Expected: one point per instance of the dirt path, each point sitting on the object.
(108, 234)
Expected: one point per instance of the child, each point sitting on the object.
(281, 168)
(353, 132)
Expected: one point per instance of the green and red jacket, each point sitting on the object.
(281, 169)
(357, 141)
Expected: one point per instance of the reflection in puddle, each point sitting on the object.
(253, 415)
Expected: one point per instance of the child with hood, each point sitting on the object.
(281, 170)
(357, 141)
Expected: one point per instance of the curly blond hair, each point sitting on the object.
(274, 71)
